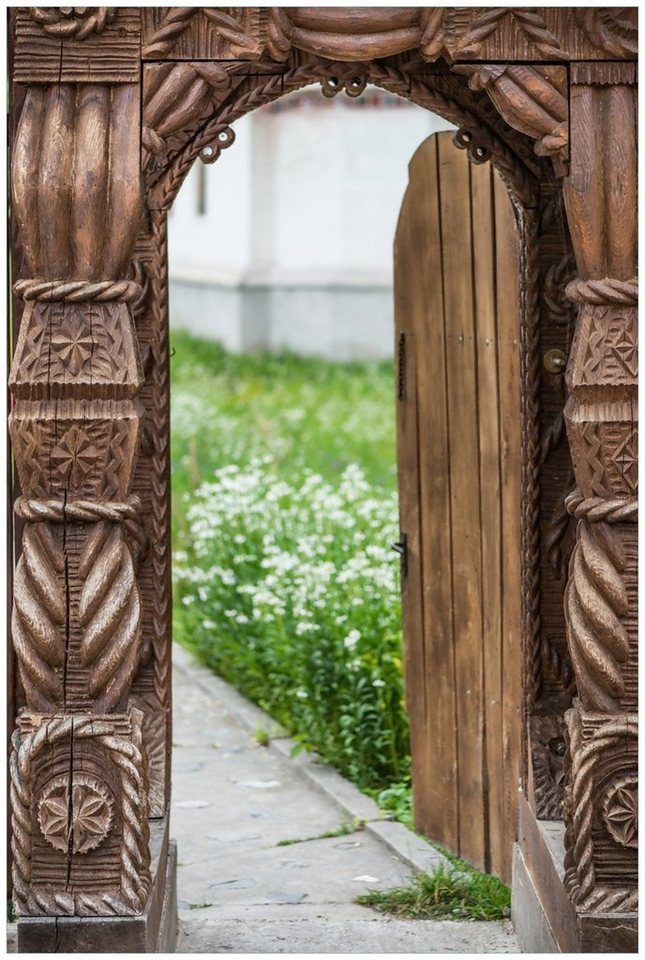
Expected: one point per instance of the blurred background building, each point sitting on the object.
(286, 242)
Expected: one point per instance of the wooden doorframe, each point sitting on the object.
(91, 625)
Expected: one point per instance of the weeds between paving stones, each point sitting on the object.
(456, 892)
(262, 737)
(348, 826)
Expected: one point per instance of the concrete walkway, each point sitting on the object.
(240, 889)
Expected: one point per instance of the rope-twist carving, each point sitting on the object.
(127, 512)
(74, 22)
(174, 23)
(608, 292)
(135, 853)
(109, 612)
(77, 291)
(39, 615)
(599, 510)
(77, 511)
(159, 479)
(533, 454)
(595, 600)
(580, 809)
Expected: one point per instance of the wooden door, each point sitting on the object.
(456, 278)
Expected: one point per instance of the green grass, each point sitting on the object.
(449, 893)
(346, 827)
(230, 409)
(262, 737)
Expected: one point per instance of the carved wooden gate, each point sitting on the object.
(458, 400)
(110, 107)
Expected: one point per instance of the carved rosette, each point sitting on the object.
(79, 815)
(619, 807)
(90, 820)
(601, 812)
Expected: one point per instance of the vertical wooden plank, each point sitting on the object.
(462, 398)
(490, 507)
(508, 323)
(405, 299)
(418, 272)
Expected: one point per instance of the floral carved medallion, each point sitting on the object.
(620, 811)
(88, 819)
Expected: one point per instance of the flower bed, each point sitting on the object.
(287, 587)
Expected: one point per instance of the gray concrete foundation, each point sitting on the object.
(544, 918)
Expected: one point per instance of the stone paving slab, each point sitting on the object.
(233, 801)
(238, 891)
(345, 936)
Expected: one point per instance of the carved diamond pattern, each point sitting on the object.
(75, 455)
(621, 459)
(610, 354)
(620, 811)
(623, 348)
(73, 345)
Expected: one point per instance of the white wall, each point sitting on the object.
(295, 249)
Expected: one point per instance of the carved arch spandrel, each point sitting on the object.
(172, 143)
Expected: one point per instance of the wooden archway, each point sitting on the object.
(111, 106)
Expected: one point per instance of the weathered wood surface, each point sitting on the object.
(361, 33)
(549, 95)
(456, 295)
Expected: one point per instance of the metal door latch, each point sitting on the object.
(401, 547)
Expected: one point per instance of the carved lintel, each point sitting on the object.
(532, 99)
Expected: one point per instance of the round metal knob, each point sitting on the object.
(554, 361)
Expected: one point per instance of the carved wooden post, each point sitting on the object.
(79, 777)
(601, 600)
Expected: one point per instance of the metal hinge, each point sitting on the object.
(401, 547)
(400, 380)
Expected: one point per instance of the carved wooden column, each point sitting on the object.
(79, 778)
(601, 598)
